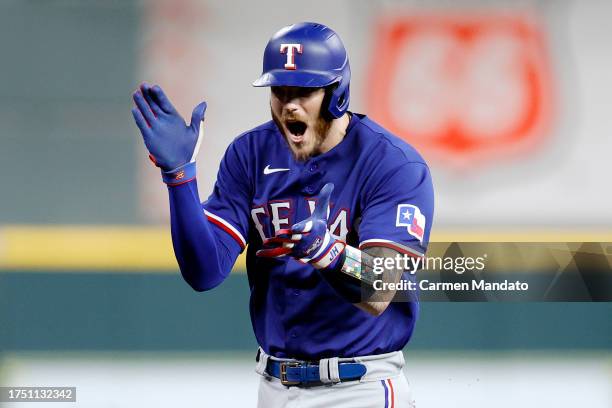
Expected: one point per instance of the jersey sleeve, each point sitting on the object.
(398, 211)
(228, 206)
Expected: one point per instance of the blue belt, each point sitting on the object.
(304, 372)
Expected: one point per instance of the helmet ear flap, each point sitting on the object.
(338, 98)
(343, 100)
(328, 102)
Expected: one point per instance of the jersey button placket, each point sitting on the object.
(311, 177)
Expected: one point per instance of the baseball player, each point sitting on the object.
(318, 193)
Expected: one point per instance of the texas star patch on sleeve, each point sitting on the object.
(399, 211)
(410, 216)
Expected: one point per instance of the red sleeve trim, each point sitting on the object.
(180, 182)
(227, 227)
(390, 244)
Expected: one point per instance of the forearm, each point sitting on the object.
(203, 259)
(353, 278)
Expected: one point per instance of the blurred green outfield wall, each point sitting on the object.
(139, 311)
(66, 148)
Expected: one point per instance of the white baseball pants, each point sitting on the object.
(383, 386)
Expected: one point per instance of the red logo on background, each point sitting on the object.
(462, 89)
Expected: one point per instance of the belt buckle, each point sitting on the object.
(283, 372)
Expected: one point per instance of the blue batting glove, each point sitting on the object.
(308, 240)
(173, 145)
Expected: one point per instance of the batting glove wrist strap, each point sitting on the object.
(180, 175)
(328, 254)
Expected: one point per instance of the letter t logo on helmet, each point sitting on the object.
(323, 62)
(289, 49)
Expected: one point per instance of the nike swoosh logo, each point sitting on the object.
(268, 170)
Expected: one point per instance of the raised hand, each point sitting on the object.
(170, 141)
(308, 240)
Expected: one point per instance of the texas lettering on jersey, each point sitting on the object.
(277, 215)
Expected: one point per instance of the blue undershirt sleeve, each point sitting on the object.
(205, 253)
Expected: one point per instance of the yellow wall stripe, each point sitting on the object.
(149, 249)
(72, 248)
(513, 234)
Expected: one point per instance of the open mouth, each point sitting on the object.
(296, 130)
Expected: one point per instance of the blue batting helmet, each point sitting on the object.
(308, 55)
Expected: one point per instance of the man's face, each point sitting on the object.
(297, 113)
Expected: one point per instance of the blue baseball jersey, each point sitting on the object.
(383, 196)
